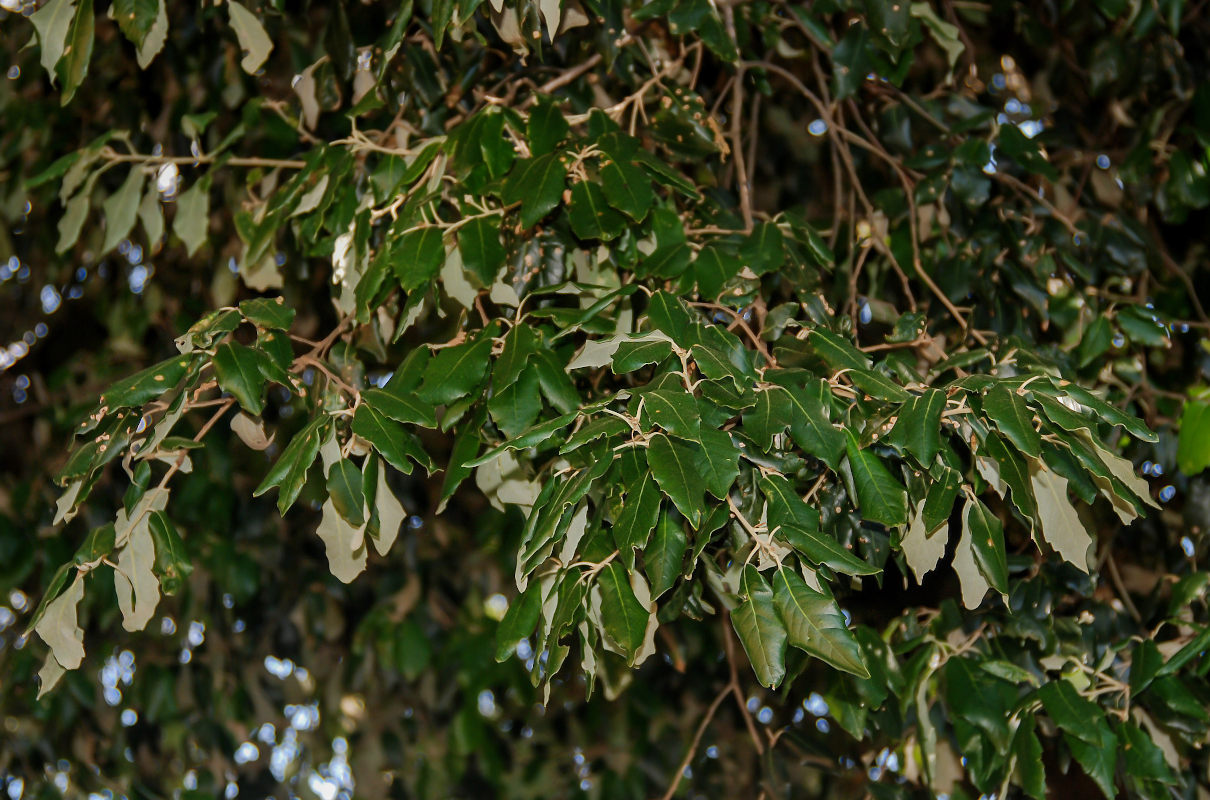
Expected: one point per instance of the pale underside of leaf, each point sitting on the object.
(391, 514)
(922, 548)
(135, 584)
(344, 560)
(1061, 527)
(974, 585)
(59, 628)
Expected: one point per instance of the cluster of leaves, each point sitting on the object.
(777, 408)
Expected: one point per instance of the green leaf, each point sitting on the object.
(401, 406)
(515, 407)
(482, 253)
(764, 249)
(519, 621)
(880, 497)
(135, 18)
(1028, 752)
(347, 492)
(389, 438)
(455, 371)
(253, 40)
(939, 499)
(289, 472)
(537, 184)
(673, 465)
(918, 428)
(121, 209)
(624, 619)
(640, 510)
(760, 629)
(172, 563)
(719, 461)
(238, 372)
(77, 52)
(673, 410)
(98, 545)
(147, 385)
(590, 214)
(1014, 473)
(810, 427)
(627, 189)
(1112, 415)
(664, 555)
(1014, 419)
(192, 220)
(52, 22)
(814, 623)
(1144, 760)
(632, 355)
(418, 257)
(1193, 444)
(769, 417)
(820, 548)
(557, 387)
(268, 313)
(987, 543)
(836, 352)
(546, 126)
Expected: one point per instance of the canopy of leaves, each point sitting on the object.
(603, 398)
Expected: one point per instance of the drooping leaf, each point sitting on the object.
(664, 554)
(346, 492)
(121, 208)
(1008, 410)
(673, 465)
(814, 623)
(760, 629)
(624, 619)
(253, 40)
(289, 472)
(238, 372)
(880, 497)
(1060, 526)
(918, 427)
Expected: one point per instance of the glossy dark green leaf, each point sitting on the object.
(719, 462)
(624, 619)
(675, 469)
(147, 385)
(401, 406)
(515, 407)
(238, 371)
(172, 562)
(814, 623)
(455, 371)
(537, 184)
(769, 417)
(99, 544)
(627, 189)
(546, 127)
(631, 356)
(590, 214)
(760, 629)
(268, 313)
(673, 410)
(664, 554)
(482, 252)
(289, 472)
(640, 509)
(347, 492)
(77, 53)
(880, 497)
(987, 542)
(135, 18)
(939, 499)
(918, 428)
(1014, 419)
(418, 257)
(389, 438)
(1028, 752)
(820, 548)
(519, 621)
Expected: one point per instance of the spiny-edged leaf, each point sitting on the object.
(482, 253)
(172, 563)
(289, 472)
(401, 406)
(253, 40)
(135, 18)
(1014, 419)
(812, 430)
(418, 257)
(987, 542)
(622, 616)
(546, 126)
(815, 624)
(770, 416)
(147, 385)
(719, 462)
(673, 410)
(918, 428)
(674, 466)
(455, 371)
(238, 372)
(347, 492)
(122, 208)
(519, 621)
(537, 184)
(77, 53)
(665, 554)
(192, 220)
(268, 313)
(388, 437)
(1060, 525)
(836, 352)
(627, 189)
(760, 629)
(880, 497)
(640, 509)
(590, 214)
(939, 499)
(515, 407)
(820, 548)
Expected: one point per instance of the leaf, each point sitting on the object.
(590, 214)
(672, 464)
(546, 127)
(1013, 472)
(52, 22)
(390, 515)
(673, 410)
(632, 355)
(389, 438)
(515, 407)
(918, 427)
(622, 617)
(814, 623)
(346, 492)
(289, 472)
(760, 629)
(77, 53)
(812, 430)
(1193, 443)
(627, 189)
(519, 621)
(640, 510)
(923, 548)
(837, 353)
(665, 554)
(121, 209)
(537, 184)
(98, 545)
(820, 548)
(268, 313)
(253, 40)
(72, 221)
(418, 257)
(238, 372)
(987, 543)
(136, 584)
(974, 585)
(192, 220)
(719, 462)
(1060, 525)
(1013, 418)
(153, 42)
(769, 417)
(172, 563)
(880, 497)
(482, 253)
(455, 371)
(135, 18)
(344, 544)
(147, 385)
(939, 499)
(60, 630)
(401, 406)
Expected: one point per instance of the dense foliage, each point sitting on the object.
(679, 398)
